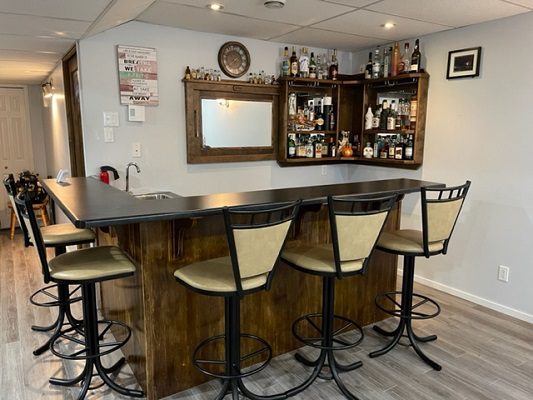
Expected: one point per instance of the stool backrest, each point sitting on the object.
(256, 235)
(356, 223)
(24, 206)
(11, 188)
(440, 210)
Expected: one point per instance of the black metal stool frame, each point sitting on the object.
(232, 379)
(406, 307)
(326, 358)
(64, 297)
(90, 316)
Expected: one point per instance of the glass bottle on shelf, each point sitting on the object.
(415, 58)
(369, 116)
(303, 63)
(293, 64)
(405, 60)
(312, 66)
(408, 152)
(376, 118)
(395, 59)
(368, 68)
(327, 107)
(368, 151)
(413, 112)
(392, 148)
(292, 148)
(398, 150)
(386, 62)
(376, 64)
(332, 148)
(325, 66)
(384, 115)
(285, 62)
(334, 66)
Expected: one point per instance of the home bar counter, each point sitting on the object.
(168, 321)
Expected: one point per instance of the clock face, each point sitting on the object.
(234, 59)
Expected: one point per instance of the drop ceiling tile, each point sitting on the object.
(41, 26)
(86, 10)
(312, 37)
(525, 3)
(369, 23)
(21, 55)
(353, 3)
(297, 12)
(449, 12)
(14, 42)
(202, 19)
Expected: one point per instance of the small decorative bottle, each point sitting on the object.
(368, 118)
(368, 151)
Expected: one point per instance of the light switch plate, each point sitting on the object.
(109, 135)
(111, 118)
(136, 113)
(135, 149)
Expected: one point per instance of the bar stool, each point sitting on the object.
(84, 267)
(255, 236)
(40, 207)
(440, 210)
(355, 225)
(58, 236)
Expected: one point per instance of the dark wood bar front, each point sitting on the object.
(168, 321)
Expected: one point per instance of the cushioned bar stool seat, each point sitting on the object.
(58, 236)
(440, 210)
(355, 225)
(84, 267)
(255, 236)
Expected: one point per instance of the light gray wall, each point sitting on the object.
(480, 129)
(162, 136)
(35, 100)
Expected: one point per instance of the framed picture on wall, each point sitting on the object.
(464, 63)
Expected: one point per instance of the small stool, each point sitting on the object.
(355, 227)
(40, 207)
(84, 267)
(255, 237)
(440, 210)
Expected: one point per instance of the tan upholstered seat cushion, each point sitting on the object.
(63, 234)
(95, 263)
(318, 258)
(407, 241)
(216, 275)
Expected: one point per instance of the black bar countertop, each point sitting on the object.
(87, 202)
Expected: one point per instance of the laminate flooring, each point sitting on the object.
(485, 355)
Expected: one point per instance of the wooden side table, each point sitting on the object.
(39, 208)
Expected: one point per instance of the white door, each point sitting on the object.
(16, 153)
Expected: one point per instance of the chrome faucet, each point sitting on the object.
(131, 164)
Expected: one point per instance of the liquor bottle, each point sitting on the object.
(375, 119)
(292, 148)
(391, 117)
(398, 150)
(384, 153)
(309, 148)
(415, 58)
(368, 151)
(187, 73)
(399, 111)
(332, 120)
(368, 118)
(332, 148)
(376, 149)
(319, 72)
(312, 67)
(395, 59)
(304, 63)
(413, 112)
(325, 66)
(405, 60)
(285, 62)
(318, 148)
(408, 152)
(392, 148)
(386, 62)
(376, 65)
(368, 68)
(293, 64)
(327, 107)
(334, 66)
(384, 115)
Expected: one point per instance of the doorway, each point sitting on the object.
(16, 153)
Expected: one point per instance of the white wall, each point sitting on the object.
(164, 163)
(35, 100)
(480, 129)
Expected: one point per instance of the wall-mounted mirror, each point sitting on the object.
(231, 121)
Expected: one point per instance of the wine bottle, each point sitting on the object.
(293, 64)
(312, 66)
(415, 58)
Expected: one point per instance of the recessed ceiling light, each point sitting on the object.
(388, 25)
(274, 3)
(215, 6)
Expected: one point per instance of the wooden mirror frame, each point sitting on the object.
(196, 90)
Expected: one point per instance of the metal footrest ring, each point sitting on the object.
(314, 322)
(73, 340)
(50, 299)
(202, 364)
(387, 300)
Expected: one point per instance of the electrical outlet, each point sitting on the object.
(135, 149)
(503, 273)
(109, 135)
(324, 170)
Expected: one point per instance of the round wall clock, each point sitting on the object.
(234, 59)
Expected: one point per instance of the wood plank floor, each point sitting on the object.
(484, 354)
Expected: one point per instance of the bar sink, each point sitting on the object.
(156, 196)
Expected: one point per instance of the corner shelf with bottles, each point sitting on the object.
(397, 141)
(308, 121)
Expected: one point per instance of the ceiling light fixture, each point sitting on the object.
(215, 6)
(388, 25)
(274, 3)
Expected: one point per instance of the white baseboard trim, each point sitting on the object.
(473, 298)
